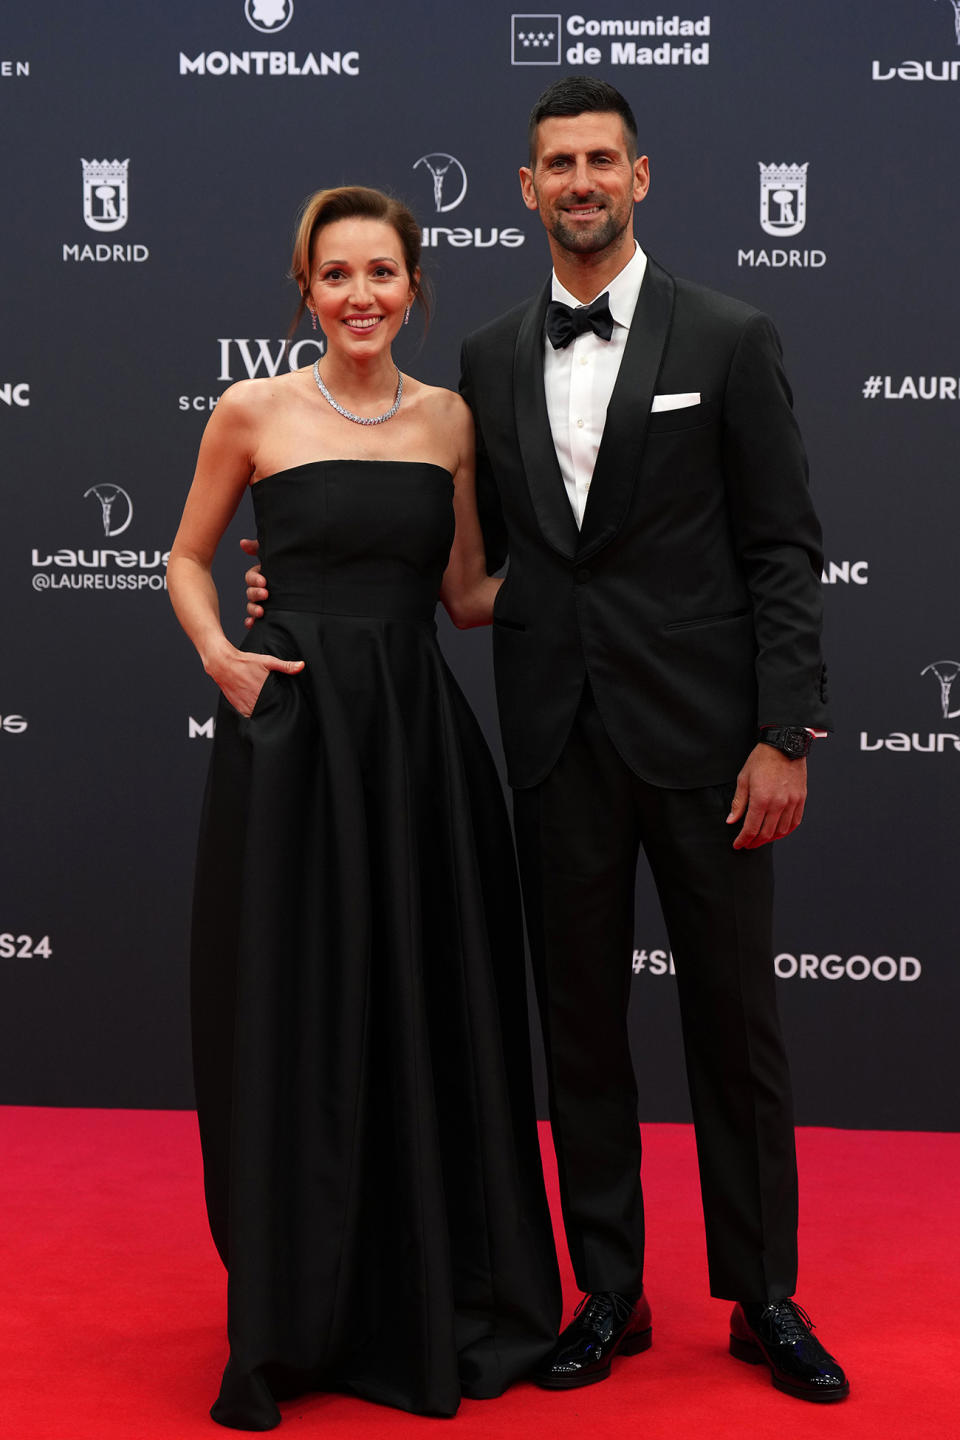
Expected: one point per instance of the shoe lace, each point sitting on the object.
(599, 1305)
(793, 1321)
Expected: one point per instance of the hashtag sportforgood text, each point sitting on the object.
(911, 387)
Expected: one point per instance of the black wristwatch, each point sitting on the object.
(791, 739)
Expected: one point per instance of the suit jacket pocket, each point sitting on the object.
(689, 417)
(724, 617)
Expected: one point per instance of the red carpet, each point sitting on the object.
(112, 1298)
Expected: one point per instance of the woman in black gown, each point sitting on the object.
(361, 1054)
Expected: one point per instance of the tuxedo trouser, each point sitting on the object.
(579, 834)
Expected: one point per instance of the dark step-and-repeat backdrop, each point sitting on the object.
(804, 158)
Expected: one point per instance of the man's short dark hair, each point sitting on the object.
(582, 95)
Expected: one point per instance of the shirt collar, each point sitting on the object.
(623, 290)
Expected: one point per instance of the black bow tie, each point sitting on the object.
(565, 323)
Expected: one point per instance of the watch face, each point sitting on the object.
(794, 743)
(790, 741)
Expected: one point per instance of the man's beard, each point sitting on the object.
(584, 240)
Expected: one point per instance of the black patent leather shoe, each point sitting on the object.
(605, 1324)
(780, 1335)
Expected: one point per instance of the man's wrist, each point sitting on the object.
(794, 741)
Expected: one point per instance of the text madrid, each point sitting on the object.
(628, 52)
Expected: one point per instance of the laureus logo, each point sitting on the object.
(449, 180)
(105, 194)
(268, 16)
(116, 507)
(956, 18)
(945, 672)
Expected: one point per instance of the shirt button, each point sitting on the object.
(579, 424)
(582, 576)
(584, 360)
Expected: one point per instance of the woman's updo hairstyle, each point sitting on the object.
(353, 202)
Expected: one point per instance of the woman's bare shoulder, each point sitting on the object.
(445, 406)
(249, 399)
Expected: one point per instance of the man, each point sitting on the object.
(658, 668)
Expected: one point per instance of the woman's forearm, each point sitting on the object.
(197, 607)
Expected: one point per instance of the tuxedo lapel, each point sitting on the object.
(625, 428)
(540, 464)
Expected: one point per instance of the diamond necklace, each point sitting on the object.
(348, 414)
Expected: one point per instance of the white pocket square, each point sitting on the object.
(675, 402)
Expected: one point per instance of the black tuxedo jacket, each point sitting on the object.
(691, 596)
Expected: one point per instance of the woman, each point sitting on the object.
(362, 1070)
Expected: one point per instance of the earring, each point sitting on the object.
(406, 316)
(313, 319)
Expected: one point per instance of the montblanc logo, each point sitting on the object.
(116, 507)
(783, 214)
(944, 674)
(106, 209)
(448, 189)
(538, 40)
(846, 572)
(448, 176)
(914, 70)
(14, 393)
(268, 16)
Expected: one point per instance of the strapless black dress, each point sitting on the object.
(359, 1016)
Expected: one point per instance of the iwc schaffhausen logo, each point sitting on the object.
(105, 194)
(449, 180)
(116, 507)
(783, 199)
(268, 16)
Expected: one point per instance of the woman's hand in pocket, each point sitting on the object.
(241, 675)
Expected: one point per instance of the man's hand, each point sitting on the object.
(771, 793)
(255, 583)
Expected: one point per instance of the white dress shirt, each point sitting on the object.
(579, 380)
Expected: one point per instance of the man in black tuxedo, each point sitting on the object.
(659, 674)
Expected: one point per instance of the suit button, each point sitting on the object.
(582, 575)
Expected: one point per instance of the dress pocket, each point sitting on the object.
(263, 699)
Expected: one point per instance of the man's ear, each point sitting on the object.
(641, 177)
(526, 188)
